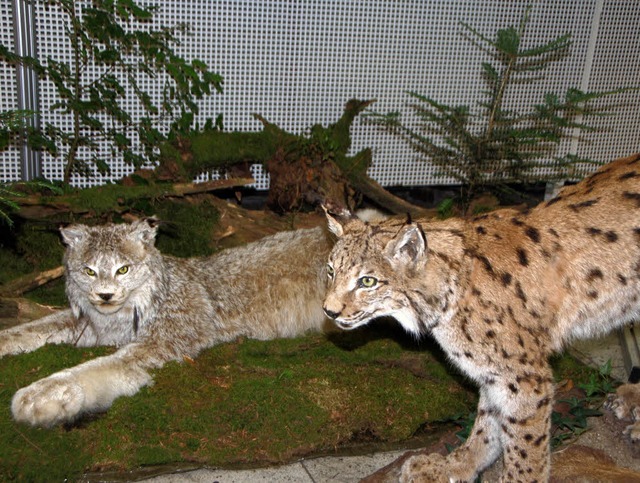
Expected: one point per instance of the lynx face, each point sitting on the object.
(365, 278)
(106, 268)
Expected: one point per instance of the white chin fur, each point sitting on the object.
(348, 325)
(408, 321)
(107, 309)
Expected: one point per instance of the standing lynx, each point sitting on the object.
(500, 293)
(158, 308)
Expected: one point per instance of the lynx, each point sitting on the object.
(122, 291)
(500, 293)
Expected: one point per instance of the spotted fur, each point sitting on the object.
(500, 292)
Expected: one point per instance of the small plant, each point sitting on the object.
(568, 423)
(600, 383)
(573, 423)
(494, 145)
(446, 208)
(12, 123)
(7, 204)
(102, 40)
(466, 423)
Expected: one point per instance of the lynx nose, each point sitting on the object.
(330, 313)
(105, 296)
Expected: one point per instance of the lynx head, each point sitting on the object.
(369, 269)
(106, 264)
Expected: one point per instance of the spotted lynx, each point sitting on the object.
(500, 293)
(156, 308)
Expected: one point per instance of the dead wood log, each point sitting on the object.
(304, 169)
(115, 198)
(14, 311)
(21, 285)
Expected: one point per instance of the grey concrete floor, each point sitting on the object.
(332, 469)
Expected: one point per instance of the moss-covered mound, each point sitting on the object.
(248, 402)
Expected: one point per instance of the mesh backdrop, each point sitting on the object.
(297, 63)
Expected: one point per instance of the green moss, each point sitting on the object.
(34, 454)
(33, 247)
(105, 198)
(190, 227)
(53, 294)
(249, 402)
(246, 403)
(220, 149)
(12, 266)
(39, 245)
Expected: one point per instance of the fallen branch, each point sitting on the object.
(383, 198)
(182, 189)
(30, 281)
(118, 198)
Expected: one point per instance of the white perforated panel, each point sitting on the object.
(616, 63)
(297, 62)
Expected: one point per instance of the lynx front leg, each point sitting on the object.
(57, 328)
(92, 386)
(525, 430)
(480, 450)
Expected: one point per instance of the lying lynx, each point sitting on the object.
(500, 293)
(156, 308)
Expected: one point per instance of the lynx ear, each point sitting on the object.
(73, 234)
(146, 230)
(409, 246)
(337, 218)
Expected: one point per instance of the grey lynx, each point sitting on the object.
(501, 293)
(156, 308)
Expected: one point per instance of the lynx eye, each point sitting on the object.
(89, 272)
(330, 271)
(367, 282)
(122, 270)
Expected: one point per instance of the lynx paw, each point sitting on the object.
(625, 404)
(633, 430)
(425, 468)
(53, 400)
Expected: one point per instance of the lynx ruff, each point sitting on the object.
(501, 293)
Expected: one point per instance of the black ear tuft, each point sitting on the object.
(153, 221)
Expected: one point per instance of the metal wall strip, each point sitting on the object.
(27, 80)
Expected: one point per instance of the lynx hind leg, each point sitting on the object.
(625, 404)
